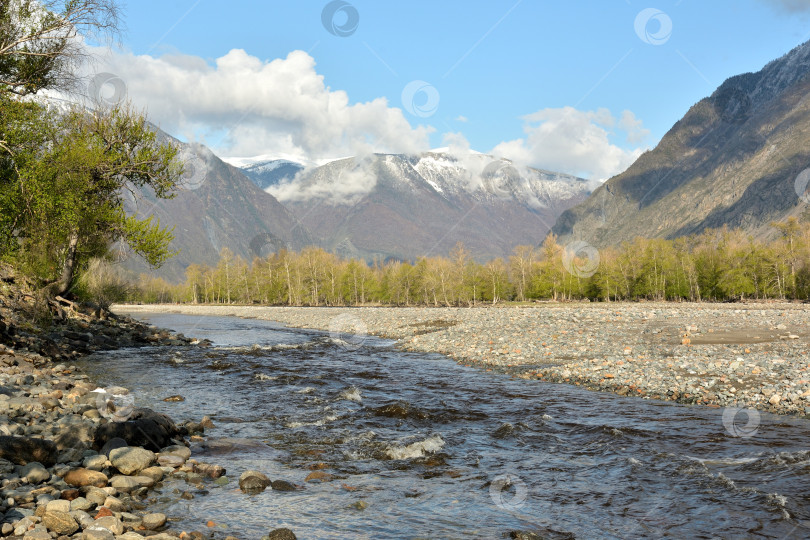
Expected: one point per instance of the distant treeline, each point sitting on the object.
(718, 265)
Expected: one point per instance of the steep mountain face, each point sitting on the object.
(217, 207)
(736, 158)
(403, 207)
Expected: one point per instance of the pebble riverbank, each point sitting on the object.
(80, 462)
(727, 355)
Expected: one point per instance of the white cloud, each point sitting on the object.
(354, 179)
(461, 118)
(575, 142)
(633, 126)
(244, 106)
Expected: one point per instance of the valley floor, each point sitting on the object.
(729, 355)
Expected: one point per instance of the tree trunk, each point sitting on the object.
(63, 285)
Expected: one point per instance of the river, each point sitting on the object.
(418, 446)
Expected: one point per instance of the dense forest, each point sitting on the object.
(718, 265)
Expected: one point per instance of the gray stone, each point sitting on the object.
(144, 427)
(112, 444)
(282, 485)
(153, 522)
(35, 473)
(155, 473)
(60, 505)
(97, 533)
(171, 460)
(60, 523)
(37, 534)
(81, 503)
(177, 450)
(131, 483)
(115, 504)
(111, 523)
(96, 496)
(131, 460)
(253, 482)
(6, 466)
(95, 463)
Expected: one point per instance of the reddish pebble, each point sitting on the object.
(103, 512)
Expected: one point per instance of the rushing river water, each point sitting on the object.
(420, 447)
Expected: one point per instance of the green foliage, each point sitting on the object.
(717, 265)
(39, 45)
(64, 185)
(62, 175)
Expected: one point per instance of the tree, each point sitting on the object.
(463, 278)
(520, 265)
(790, 231)
(497, 280)
(61, 175)
(39, 41)
(65, 194)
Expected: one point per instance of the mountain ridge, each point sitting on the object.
(406, 206)
(730, 161)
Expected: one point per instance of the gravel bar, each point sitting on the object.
(726, 355)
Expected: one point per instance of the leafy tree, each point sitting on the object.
(39, 41)
(62, 175)
(62, 203)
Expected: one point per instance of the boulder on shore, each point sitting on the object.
(24, 450)
(86, 477)
(281, 534)
(146, 428)
(131, 460)
(253, 482)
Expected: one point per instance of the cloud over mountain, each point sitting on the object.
(245, 106)
(575, 142)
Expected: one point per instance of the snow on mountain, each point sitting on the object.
(474, 174)
(406, 206)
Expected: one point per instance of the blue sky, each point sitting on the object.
(572, 67)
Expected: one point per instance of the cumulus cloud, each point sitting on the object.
(575, 142)
(633, 126)
(244, 106)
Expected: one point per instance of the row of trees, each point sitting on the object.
(717, 265)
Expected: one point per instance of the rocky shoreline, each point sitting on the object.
(752, 356)
(78, 461)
